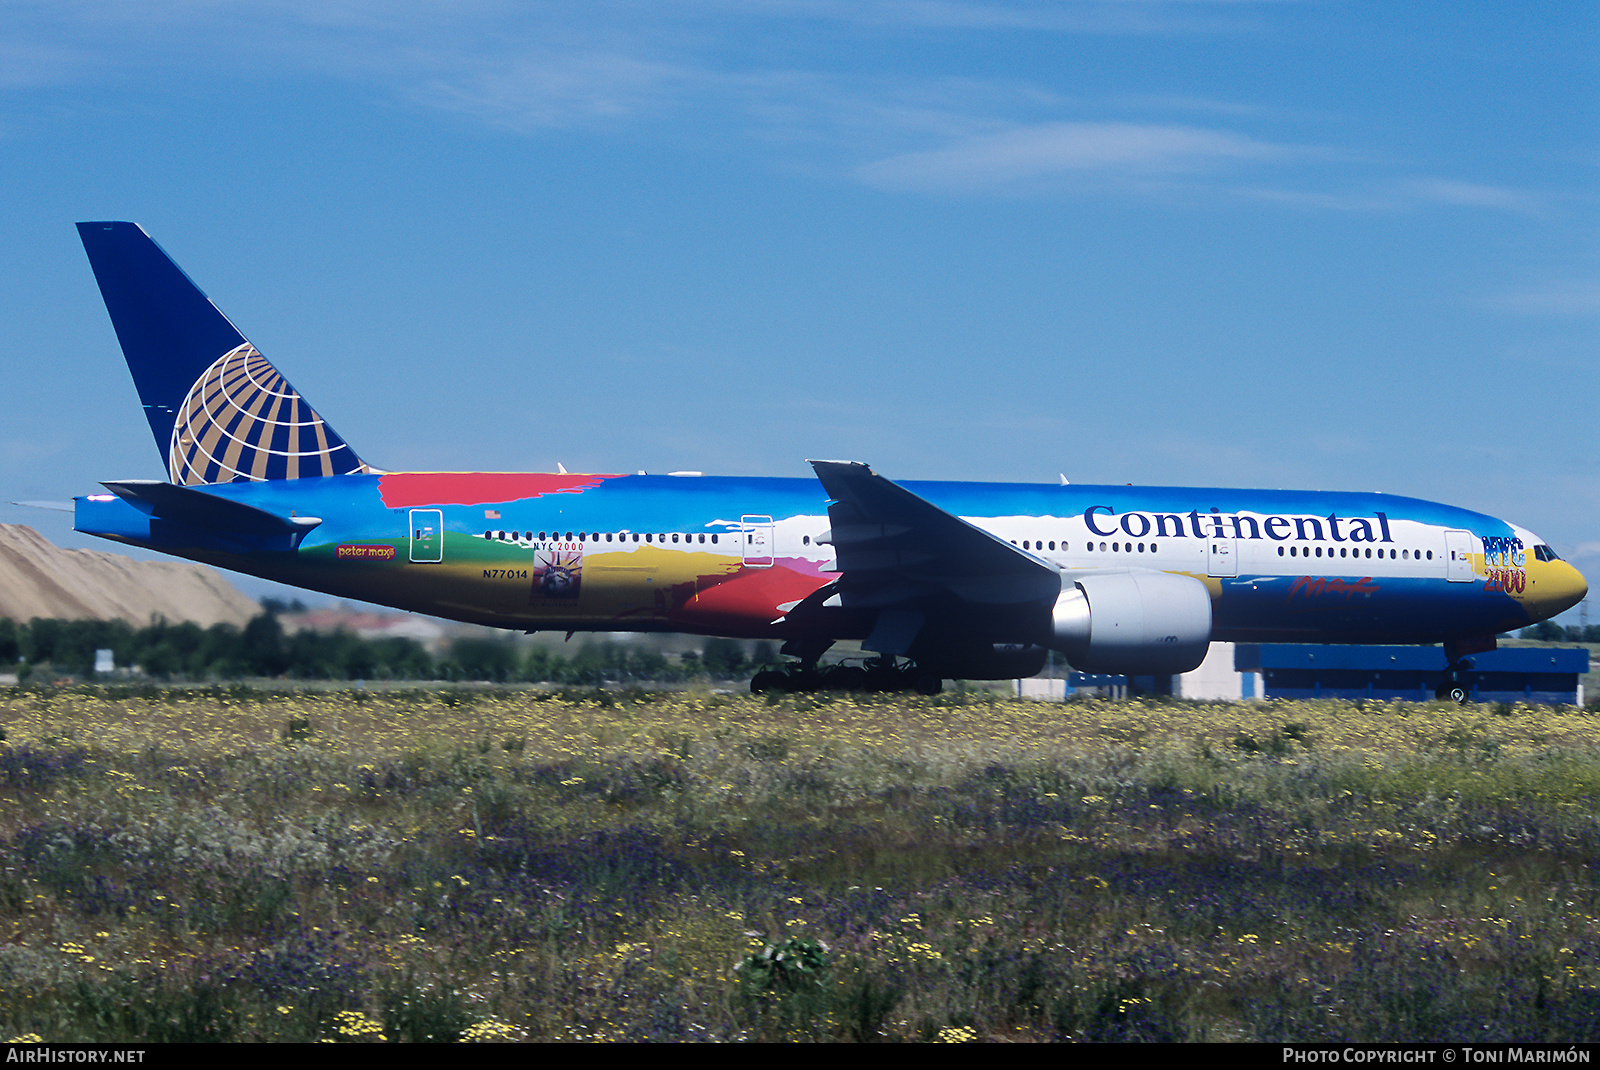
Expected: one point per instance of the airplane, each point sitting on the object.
(936, 580)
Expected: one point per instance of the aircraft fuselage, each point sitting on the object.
(731, 556)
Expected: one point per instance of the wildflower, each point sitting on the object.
(356, 1026)
(487, 1031)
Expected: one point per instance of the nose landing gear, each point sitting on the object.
(1456, 685)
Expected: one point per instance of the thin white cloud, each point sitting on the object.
(1025, 156)
(1563, 297)
(1228, 109)
(27, 64)
(1115, 17)
(1466, 194)
(1401, 195)
(558, 89)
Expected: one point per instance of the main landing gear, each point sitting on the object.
(881, 674)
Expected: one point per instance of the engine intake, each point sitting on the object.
(1134, 623)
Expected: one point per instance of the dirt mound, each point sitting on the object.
(40, 579)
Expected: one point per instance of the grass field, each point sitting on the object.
(237, 865)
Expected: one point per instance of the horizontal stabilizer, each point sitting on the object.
(207, 512)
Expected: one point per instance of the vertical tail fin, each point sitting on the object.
(219, 411)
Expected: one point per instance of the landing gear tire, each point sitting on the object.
(848, 678)
(875, 676)
(885, 678)
(1456, 684)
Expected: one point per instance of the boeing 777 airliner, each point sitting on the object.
(938, 580)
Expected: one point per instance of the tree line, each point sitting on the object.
(1551, 632)
(164, 650)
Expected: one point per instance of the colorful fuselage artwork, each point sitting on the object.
(731, 556)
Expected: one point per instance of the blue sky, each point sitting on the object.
(1213, 242)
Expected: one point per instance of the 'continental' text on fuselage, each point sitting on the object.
(1332, 527)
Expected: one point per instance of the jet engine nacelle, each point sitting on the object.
(1135, 623)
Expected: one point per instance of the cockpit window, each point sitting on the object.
(1544, 553)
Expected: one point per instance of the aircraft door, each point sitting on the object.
(1458, 549)
(427, 535)
(755, 534)
(1220, 559)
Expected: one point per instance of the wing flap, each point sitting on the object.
(893, 548)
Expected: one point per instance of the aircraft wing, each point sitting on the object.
(896, 550)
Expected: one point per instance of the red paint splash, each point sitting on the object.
(406, 490)
(747, 596)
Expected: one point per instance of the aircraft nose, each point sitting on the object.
(1556, 588)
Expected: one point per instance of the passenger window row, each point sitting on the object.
(595, 536)
(1292, 551)
(1116, 547)
(1345, 551)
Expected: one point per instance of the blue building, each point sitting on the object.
(1509, 674)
